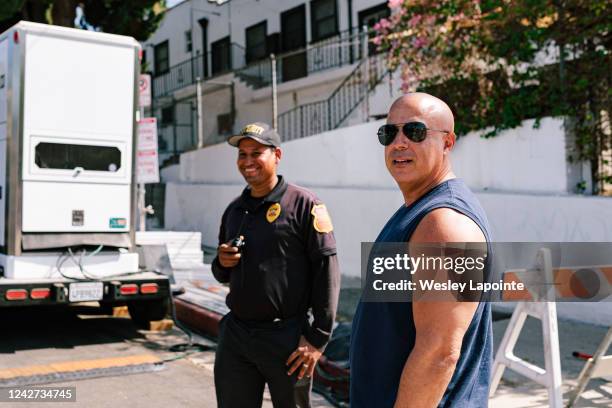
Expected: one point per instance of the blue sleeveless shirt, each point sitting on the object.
(383, 333)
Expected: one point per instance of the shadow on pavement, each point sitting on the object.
(61, 328)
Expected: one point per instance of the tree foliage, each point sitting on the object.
(499, 62)
(136, 18)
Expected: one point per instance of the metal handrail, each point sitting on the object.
(320, 116)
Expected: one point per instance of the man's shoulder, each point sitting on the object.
(447, 225)
(295, 191)
(233, 204)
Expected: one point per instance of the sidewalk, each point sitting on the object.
(514, 391)
(518, 391)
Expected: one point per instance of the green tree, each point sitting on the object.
(136, 18)
(500, 62)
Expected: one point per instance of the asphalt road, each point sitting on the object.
(44, 337)
(35, 337)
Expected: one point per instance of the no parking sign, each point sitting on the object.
(144, 91)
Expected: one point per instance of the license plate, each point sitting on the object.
(85, 291)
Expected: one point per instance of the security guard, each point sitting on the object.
(278, 253)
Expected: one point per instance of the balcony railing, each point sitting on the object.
(339, 50)
(185, 73)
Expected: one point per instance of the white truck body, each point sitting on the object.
(68, 100)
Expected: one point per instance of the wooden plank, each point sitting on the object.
(603, 368)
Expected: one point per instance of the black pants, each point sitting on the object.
(249, 356)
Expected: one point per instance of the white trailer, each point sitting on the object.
(68, 101)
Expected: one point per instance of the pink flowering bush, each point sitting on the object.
(500, 62)
(420, 36)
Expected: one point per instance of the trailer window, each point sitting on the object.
(69, 156)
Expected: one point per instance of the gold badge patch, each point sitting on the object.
(258, 130)
(273, 212)
(322, 221)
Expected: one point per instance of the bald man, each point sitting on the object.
(424, 353)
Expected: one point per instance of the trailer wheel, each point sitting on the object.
(145, 311)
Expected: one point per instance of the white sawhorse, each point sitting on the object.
(546, 311)
(599, 365)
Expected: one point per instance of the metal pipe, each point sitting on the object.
(274, 93)
(350, 24)
(366, 76)
(199, 113)
(141, 189)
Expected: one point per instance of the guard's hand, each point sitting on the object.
(305, 357)
(229, 256)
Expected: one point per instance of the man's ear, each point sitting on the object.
(278, 153)
(449, 142)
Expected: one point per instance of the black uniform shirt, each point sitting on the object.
(288, 263)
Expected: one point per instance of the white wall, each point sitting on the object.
(524, 171)
(359, 214)
(346, 169)
(172, 28)
(523, 159)
(171, 174)
(518, 160)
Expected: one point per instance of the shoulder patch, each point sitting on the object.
(322, 221)
(273, 212)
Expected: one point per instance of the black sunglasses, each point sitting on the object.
(415, 131)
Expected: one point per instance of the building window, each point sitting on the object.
(188, 41)
(221, 56)
(162, 58)
(167, 116)
(293, 37)
(225, 124)
(144, 65)
(256, 42)
(371, 16)
(324, 19)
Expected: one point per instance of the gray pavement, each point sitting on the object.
(518, 391)
(44, 337)
(38, 337)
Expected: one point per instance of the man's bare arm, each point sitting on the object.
(440, 326)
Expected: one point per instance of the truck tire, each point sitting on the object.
(145, 311)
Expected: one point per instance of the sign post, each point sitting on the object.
(147, 163)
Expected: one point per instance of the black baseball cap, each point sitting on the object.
(258, 131)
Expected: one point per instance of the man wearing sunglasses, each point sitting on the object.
(423, 353)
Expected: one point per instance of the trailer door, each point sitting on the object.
(78, 131)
